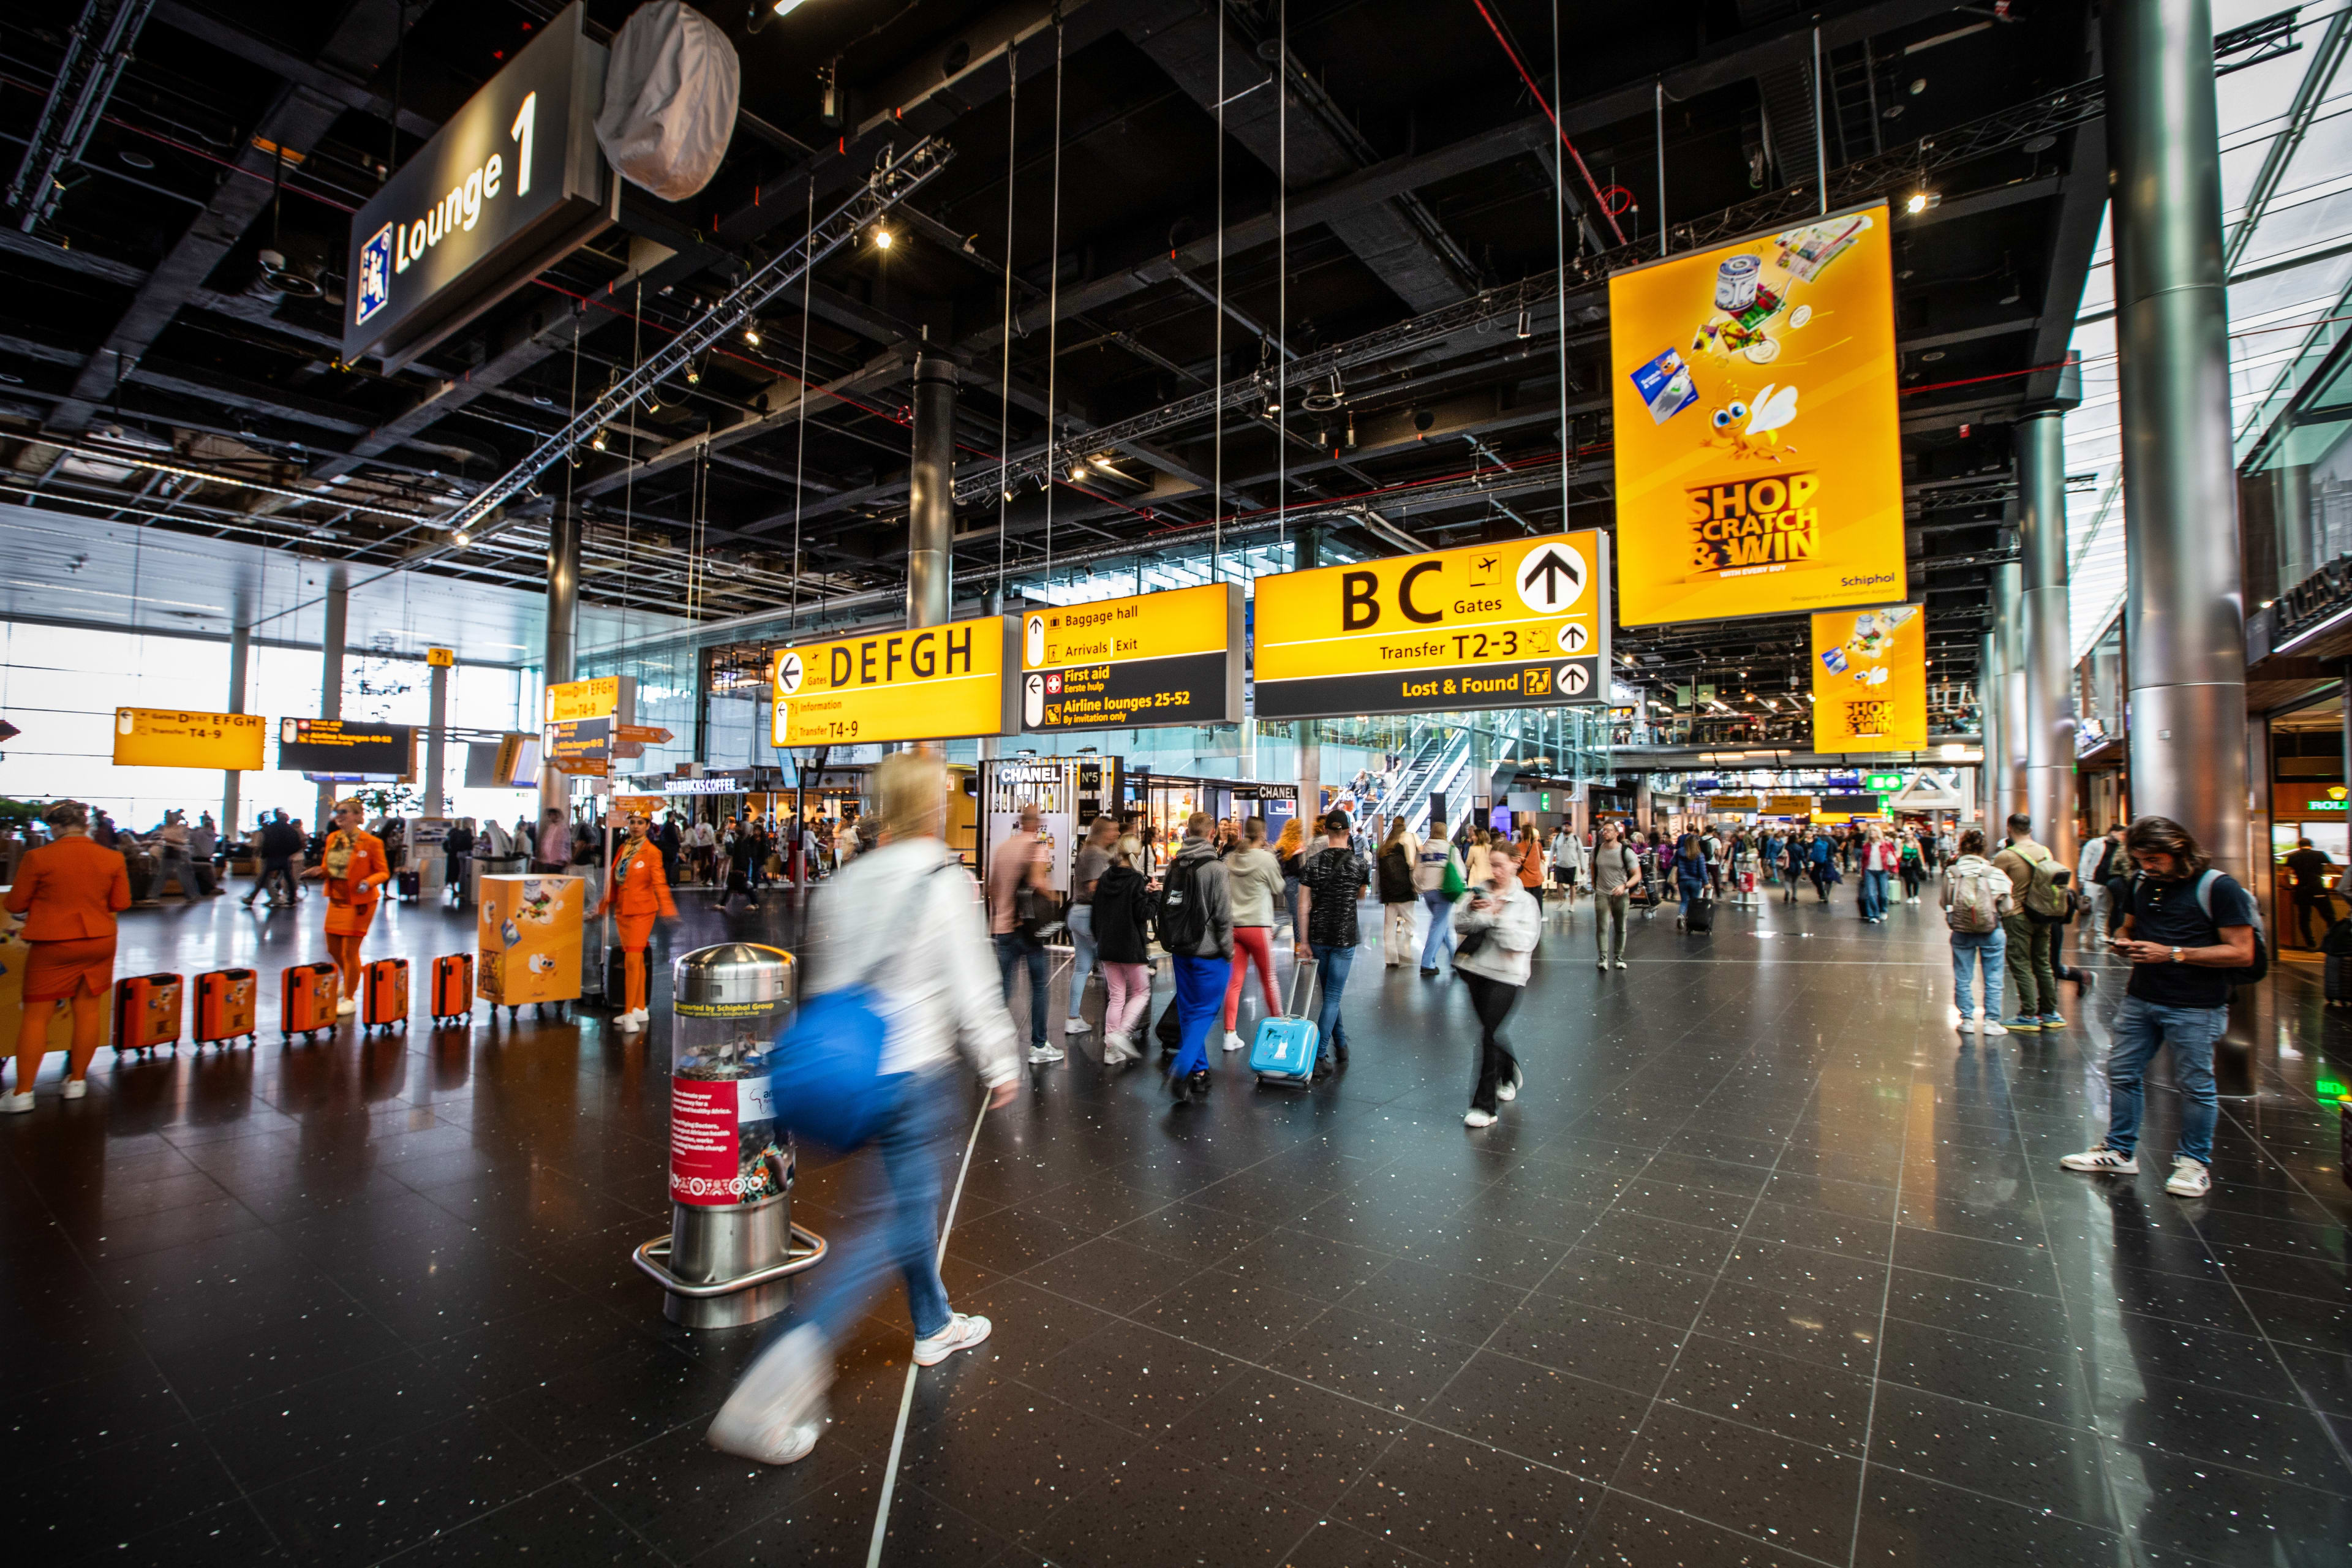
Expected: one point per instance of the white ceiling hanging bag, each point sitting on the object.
(670, 96)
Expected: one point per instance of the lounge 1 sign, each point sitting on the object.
(513, 183)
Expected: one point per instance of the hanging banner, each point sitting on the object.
(941, 683)
(1171, 658)
(1521, 624)
(1870, 680)
(606, 696)
(170, 738)
(1759, 454)
(512, 184)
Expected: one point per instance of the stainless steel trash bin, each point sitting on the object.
(732, 1246)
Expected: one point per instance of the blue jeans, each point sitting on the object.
(1082, 941)
(1331, 966)
(1971, 948)
(1441, 928)
(1873, 894)
(1012, 949)
(892, 1224)
(1200, 1001)
(2141, 1028)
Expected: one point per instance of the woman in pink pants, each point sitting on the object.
(1122, 935)
(1254, 882)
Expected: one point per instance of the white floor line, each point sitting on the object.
(907, 1399)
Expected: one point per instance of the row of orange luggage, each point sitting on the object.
(148, 1007)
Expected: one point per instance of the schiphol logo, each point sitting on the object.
(1880, 579)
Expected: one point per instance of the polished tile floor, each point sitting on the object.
(1766, 1266)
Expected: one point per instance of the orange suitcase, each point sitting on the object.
(453, 986)
(305, 1003)
(384, 1000)
(227, 1002)
(146, 1011)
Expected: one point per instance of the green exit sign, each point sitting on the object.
(1882, 784)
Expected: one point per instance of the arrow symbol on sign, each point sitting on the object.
(1547, 569)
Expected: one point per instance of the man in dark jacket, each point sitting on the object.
(280, 841)
(2311, 869)
(1196, 926)
(456, 852)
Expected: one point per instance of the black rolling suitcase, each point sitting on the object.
(2336, 972)
(1701, 918)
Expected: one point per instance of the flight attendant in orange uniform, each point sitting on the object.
(636, 891)
(355, 867)
(68, 891)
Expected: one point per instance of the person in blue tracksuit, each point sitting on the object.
(1195, 920)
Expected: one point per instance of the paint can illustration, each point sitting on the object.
(1734, 283)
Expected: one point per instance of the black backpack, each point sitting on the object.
(1182, 920)
(1396, 875)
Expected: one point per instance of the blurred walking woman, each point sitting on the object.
(1497, 923)
(69, 891)
(637, 891)
(936, 980)
(355, 870)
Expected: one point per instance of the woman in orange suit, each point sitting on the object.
(355, 867)
(636, 890)
(68, 890)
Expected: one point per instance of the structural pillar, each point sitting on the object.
(2049, 722)
(437, 721)
(2008, 630)
(1988, 767)
(2184, 615)
(563, 628)
(2298, 529)
(331, 637)
(241, 647)
(930, 495)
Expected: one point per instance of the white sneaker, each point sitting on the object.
(628, 1023)
(2189, 1179)
(1994, 1025)
(11, 1104)
(1473, 1117)
(643, 1016)
(962, 1333)
(1044, 1055)
(777, 1412)
(1602, 966)
(1621, 963)
(76, 1087)
(1233, 1042)
(1506, 1092)
(2101, 1158)
(1077, 1026)
(1119, 1049)
(347, 1006)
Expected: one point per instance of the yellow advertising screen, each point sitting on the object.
(939, 683)
(1173, 657)
(1870, 679)
(168, 737)
(1758, 461)
(1519, 623)
(599, 698)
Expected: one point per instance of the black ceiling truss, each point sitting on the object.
(1418, 356)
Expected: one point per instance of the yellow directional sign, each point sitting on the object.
(168, 738)
(1171, 658)
(939, 683)
(599, 698)
(1521, 623)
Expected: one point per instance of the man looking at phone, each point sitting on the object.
(2185, 927)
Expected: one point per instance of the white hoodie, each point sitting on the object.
(908, 919)
(1509, 954)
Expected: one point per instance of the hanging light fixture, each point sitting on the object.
(596, 442)
(751, 334)
(882, 237)
(1526, 322)
(1077, 473)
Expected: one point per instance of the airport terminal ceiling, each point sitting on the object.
(170, 353)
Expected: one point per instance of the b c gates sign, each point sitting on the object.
(513, 183)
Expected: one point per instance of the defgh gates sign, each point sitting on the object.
(512, 184)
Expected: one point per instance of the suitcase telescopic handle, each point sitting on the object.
(1301, 970)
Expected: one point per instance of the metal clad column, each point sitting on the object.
(331, 673)
(240, 645)
(1988, 727)
(931, 502)
(437, 720)
(563, 626)
(2009, 632)
(2184, 616)
(1310, 739)
(2049, 635)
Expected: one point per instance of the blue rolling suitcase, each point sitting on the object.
(1285, 1049)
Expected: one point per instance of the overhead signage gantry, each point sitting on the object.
(1169, 658)
(937, 683)
(1515, 624)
